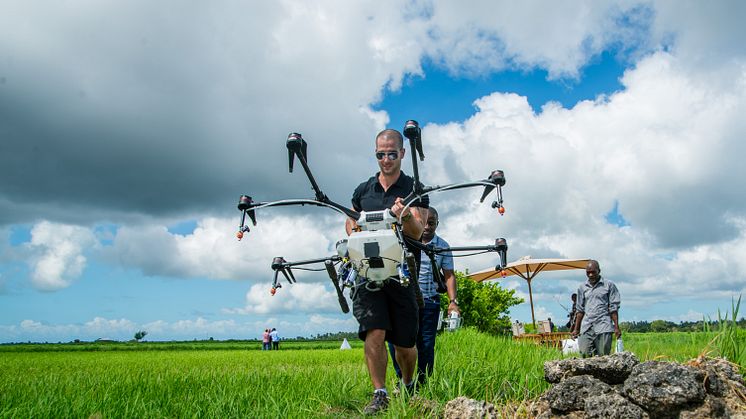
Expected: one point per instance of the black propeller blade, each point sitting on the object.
(497, 178)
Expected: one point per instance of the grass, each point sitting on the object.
(670, 346)
(730, 341)
(153, 380)
(165, 346)
(183, 383)
(241, 382)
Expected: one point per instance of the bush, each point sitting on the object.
(483, 305)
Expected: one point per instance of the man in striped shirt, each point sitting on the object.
(430, 313)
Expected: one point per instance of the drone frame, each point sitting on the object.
(297, 147)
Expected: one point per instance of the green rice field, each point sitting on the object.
(303, 379)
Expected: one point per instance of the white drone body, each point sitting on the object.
(375, 251)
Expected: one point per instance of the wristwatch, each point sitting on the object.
(455, 301)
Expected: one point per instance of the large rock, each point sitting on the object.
(713, 407)
(704, 388)
(720, 375)
(723, 379)
(726, 370)
(464, 407)
(664, 389)
(611, 369)
(570, 394)
(612, 405)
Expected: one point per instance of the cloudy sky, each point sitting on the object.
(129, 129)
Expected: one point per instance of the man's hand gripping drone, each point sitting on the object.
(377, 251)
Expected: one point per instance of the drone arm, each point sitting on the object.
(288, 202)
(340, 208)
(496, 180)
(333, 276)
(500, 246)
(289, 275)
(413, 132)
(333, 258)
(437, 278)
(414, 277)
(274, 282)
(297, 146)
(414, 225)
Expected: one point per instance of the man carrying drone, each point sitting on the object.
(391, 312)
(383, 250)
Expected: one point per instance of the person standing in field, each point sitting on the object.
(429, 315)
(597, 313)
(389, 313)
(265, 340)
(275, 338)
(573, 312)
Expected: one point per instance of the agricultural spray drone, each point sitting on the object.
(377, 251)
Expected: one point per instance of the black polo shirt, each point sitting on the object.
(370, 196)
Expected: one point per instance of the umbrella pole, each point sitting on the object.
(531, 300)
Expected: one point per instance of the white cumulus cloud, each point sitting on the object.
(58, 254)
(299, 297)
(212, 250)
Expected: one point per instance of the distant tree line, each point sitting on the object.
(667, 326)
(333, 336)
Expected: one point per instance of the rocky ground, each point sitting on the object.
(620, 386)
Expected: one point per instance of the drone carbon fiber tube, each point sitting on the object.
(413, 133)
(437, 277)
(414, 277)
(329, 265)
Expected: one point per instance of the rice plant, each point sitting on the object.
(730, 341)
(177, 380)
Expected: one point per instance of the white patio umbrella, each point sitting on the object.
(527, 269)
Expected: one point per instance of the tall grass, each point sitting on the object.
(180, 383)
(668, 346)
(730, 341)
(488, 368)
(242, 382)
(249, 383)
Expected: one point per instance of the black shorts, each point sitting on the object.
(393, 308)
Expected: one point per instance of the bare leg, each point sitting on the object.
(376, 357)
(407, 360)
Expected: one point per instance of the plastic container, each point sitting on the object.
(454, 321)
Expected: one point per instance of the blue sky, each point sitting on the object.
(440, 97)
(123, 152)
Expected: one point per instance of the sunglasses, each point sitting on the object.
(392, 155)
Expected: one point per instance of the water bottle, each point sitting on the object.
(454, 321)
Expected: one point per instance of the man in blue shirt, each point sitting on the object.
(428, 326)
(275, 339)
(598, 313)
